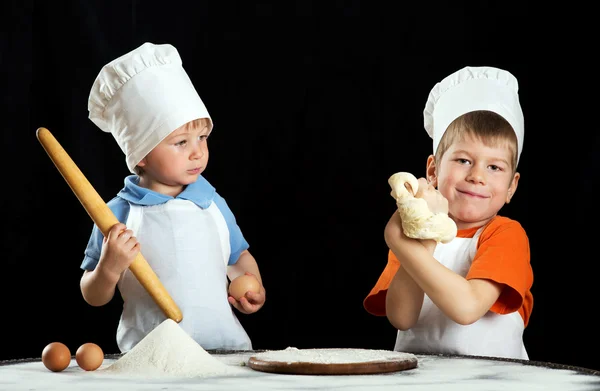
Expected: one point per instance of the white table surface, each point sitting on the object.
(433, 373)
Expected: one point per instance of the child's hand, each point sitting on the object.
(436, 202)
(250, 302)
(119, 249)
(393, 229)
(393, 232)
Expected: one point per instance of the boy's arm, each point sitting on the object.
(464, 301)
(119, 249)
(404, 299)
(252, 301)
(98, 286)
(245, 263)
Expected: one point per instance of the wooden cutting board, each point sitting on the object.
(331, 361)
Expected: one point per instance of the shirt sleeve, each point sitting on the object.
(374, 303)
(503, 256)
(120, 209)
(237, 241)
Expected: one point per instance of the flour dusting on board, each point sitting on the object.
(332, 356)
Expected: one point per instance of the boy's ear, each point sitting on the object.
(431, 171)
(513, 187)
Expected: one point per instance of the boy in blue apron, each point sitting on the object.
(166, 209)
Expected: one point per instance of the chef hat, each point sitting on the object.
(470, 89)
(141, 97)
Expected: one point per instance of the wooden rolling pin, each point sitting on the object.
(105, 219)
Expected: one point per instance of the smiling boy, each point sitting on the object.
(471, 296)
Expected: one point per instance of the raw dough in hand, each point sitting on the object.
(418, 222)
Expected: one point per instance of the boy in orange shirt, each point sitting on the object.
(471, 296)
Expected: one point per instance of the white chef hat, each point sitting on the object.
(470, 89)
(141, 97)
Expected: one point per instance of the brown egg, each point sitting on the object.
(242, 284)
(89, 356)
(56, 356)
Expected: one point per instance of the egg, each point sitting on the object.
(89, 356)
(242, 284)
(56, 356)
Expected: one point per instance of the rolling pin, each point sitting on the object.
(105, 219)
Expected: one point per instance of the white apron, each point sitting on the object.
(188, 248)
(492, 335)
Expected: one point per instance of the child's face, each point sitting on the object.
(477, 180)
(178, 160)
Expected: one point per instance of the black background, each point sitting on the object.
(315, 105)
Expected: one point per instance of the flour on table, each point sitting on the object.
(169, 350)
(332, 356)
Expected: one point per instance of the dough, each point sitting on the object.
(418, 222)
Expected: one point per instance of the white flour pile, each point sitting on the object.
(169, 351)
(332, 356)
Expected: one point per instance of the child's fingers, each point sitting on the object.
(233, 302)
(243, 305)
(254, 297)
(131, 243)
(126, 235)
(246, 305)
(135, 247)
(423, 185)
(116, 230)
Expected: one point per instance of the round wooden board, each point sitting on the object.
(302, 365)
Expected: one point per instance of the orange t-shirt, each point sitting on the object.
(502, 256)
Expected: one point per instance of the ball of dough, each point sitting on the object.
(418, 222)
